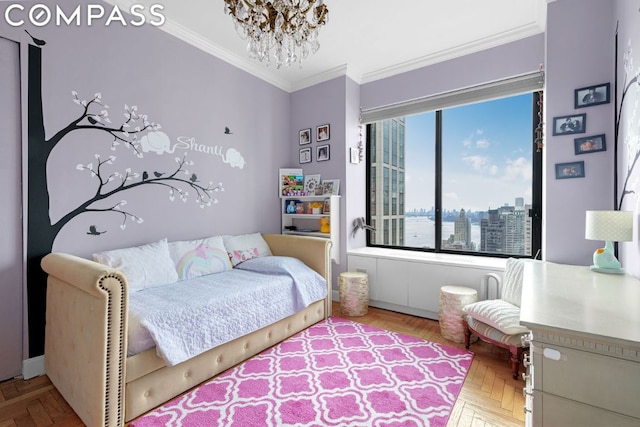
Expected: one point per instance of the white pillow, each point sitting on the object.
(497, 313)
(143, 266)
(195, 258)
(246, 246)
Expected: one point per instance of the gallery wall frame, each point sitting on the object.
(570, 170)
(567, 125)
(592, 95)
(590, 144)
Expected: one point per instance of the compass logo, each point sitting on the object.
(40, 15)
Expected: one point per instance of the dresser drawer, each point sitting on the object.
(598, 380)
(554, 411)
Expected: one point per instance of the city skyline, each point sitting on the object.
(486, 146)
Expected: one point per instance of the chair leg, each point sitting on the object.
(516, 357)
(467, 335)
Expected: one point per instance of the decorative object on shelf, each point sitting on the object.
(322, 153)
(570, 170)
(291, 207)
(291, 182)
(567, 125)
(610, 226)
(316, 208)
(311, 184)
(280, 29)
(590, 144)
(304, 136)
(305, 155)
(326, 208)
(330, 186)
(592, 95)
(322, 133)
(324, 225)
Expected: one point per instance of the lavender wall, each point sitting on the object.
(579, 53)
(512, 59)
(628, 60)
(193, 96)
(311, 107)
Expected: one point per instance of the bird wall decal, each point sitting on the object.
(158, 174)
(38, 42)
(227, 131)
(93, 231)
(145, 175)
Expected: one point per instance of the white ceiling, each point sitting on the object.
(364, 39)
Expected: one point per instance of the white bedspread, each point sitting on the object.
(186, 318)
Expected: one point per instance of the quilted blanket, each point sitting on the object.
(186, 318)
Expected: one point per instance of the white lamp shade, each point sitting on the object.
(613, 226)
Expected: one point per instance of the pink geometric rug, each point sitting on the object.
(335, 373)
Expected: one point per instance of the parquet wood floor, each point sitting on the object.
(489, 397)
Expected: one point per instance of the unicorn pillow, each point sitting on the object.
(195, 258)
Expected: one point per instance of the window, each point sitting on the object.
(461, 179)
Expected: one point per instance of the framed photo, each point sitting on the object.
(590, 144)
(291, 182)
(330, 187)
(567, 125)
(304, 136)
(570, 170)
(592, 95)
(322, 133)
(326, 208)
(322, 153)
(305, 155)
(311, 184)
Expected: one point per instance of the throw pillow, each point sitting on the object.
(195, 258)
(247, 246)
(143, 266)
(498, 314)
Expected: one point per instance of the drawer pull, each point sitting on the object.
(552, 354)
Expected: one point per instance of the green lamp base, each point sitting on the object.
(607, 270)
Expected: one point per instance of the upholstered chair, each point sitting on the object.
(497, 321)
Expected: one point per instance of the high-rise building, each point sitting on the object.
(507, 230)
(387, 151)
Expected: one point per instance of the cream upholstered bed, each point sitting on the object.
(86, 337)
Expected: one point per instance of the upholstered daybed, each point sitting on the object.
(86, 337)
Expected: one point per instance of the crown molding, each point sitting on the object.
(454, 52)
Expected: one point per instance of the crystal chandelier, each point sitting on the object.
(279, 28)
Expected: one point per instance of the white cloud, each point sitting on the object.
(519, 168)
(483, 144)
(451, 196)
(479, 163)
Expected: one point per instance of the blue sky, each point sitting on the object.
(486, 155)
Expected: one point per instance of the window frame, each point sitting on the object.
(535, 212)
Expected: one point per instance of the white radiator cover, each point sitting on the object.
(409, 281)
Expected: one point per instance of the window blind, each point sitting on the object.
(512, 86)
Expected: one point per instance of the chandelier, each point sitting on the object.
(279, 28)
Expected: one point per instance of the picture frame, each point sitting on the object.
(567, 125)
(311, 184)
(590, 144)
(570, 170)
(304, 136)
(330, 187)
(592, 95)
(290, 181)
(326, 207)
(305, 155)
(322, 133)
(322, 153)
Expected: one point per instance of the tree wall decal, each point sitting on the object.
(180, 183)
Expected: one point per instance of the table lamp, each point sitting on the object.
(610, 226)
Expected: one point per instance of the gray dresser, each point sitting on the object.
(584, 364)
